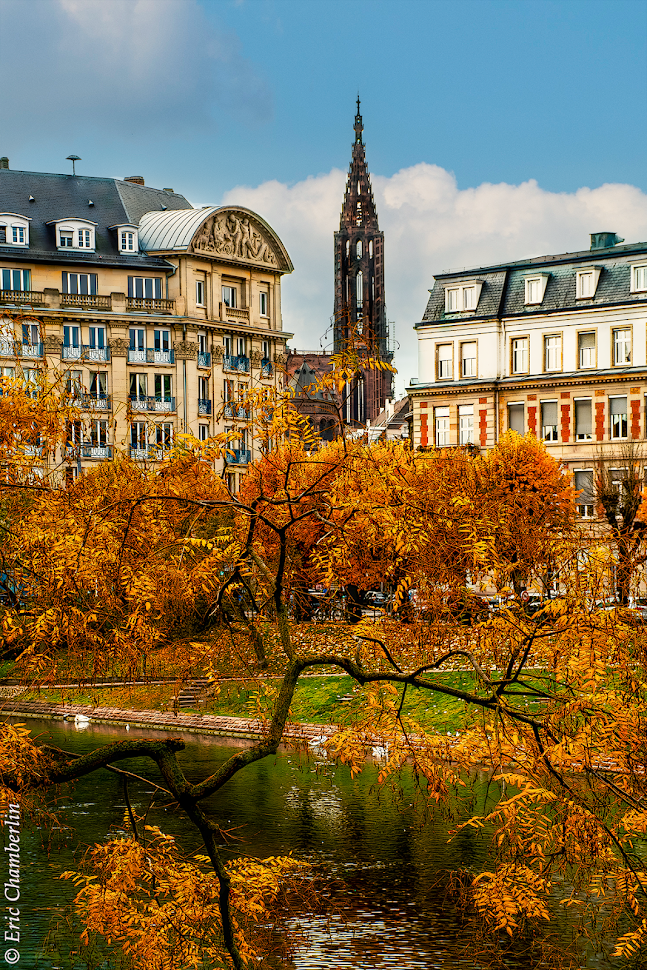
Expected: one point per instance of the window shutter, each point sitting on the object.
(130, 286)
(64, 283)
(618, 405)
(549, 413)
(583, 419)
(584, 484)
(516, 418)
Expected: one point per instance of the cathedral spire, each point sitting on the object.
(358, 209)
(359, 127)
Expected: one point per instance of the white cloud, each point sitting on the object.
(125, 67)
(430, 225)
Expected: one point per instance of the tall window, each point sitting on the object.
(162, 387)
(584, 485)
(228, 391)
(622, 346)
(228, 345)
(466, 424)
(262, 304)
(15, 279)
(549, 420)
(199, 292)
(229, 296)
(585, 284)
(520, 355)
(586, 349)
(441, 420)
(370, 248)
(445, 358)
(516, 420)
(138, 387)
(618, 414)
(99, 434)
(164, 435)
(18, 235)
(203, 432)
(553, 352)
(139, 436)
(359, 249)
(74, 382)
(583, 420)
(97, 338)
(145, 287)
(137, 339)
(469, 298)
(72, 337)
(468, 359)
(83, 283)
(203, 388)
(266, 350)
(30, 334)
(451, 300)
(241, 347)
(84, 238)
(99, 385)
(162, 340)
(359, 289)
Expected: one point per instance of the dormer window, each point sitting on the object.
(535, 288)
(74, 234)
(463, 296)
(587, 282)
(127, 239)
(14, 229)
(639, 278)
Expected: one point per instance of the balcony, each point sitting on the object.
(150, 356)
(93, 354)
(8, 348)
(146, 305)
(29, 297)
(33, 451)
(234, 313)
(204, 406)
(86, 301)
(30, 351)
(266, 367)
(87, 402)
(228, 411)
(242, 456)
(238, 364)
(148, 453)
(204, 360)
(89, 450)
(140, 403)
(241, 413)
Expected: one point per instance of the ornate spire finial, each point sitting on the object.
(359, 127)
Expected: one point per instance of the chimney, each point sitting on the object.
(604, 240)
(4, 162)
(137, 179)
(172, 191)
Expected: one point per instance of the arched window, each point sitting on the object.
(347, 248)
(358, 249)
(359, 289)
(370, 248)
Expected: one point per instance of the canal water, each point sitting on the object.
(380, 858)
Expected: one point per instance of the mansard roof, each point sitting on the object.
(503, 285)
(230, 233)
(104, 201)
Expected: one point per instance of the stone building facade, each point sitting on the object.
(556, 346)
(160, 317)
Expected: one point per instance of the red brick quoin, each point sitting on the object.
(599, 420)
(483, 427)
(566, 422)
(532, 419)
(635, 419)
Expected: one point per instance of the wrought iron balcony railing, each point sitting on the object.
(150, 356)
(204, 406)
(204, 359)
(85, 352)
(239, 364)
(149, 305)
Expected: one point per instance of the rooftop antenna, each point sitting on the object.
(73, 159)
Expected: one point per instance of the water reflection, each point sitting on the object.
(381, 858)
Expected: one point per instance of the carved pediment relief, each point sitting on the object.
(235, 235)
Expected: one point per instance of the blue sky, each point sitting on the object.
(495, 129)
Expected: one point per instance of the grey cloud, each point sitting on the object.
(123, 67)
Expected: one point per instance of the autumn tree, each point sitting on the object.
(131, 560)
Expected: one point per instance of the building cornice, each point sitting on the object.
(574, 380)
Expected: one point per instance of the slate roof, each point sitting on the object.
(503, 292)
(68, 196)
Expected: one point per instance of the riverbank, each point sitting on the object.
(217, 725)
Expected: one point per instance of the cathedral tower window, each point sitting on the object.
(359, 288)
(358, 249)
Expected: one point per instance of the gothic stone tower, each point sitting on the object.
(360, 309)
